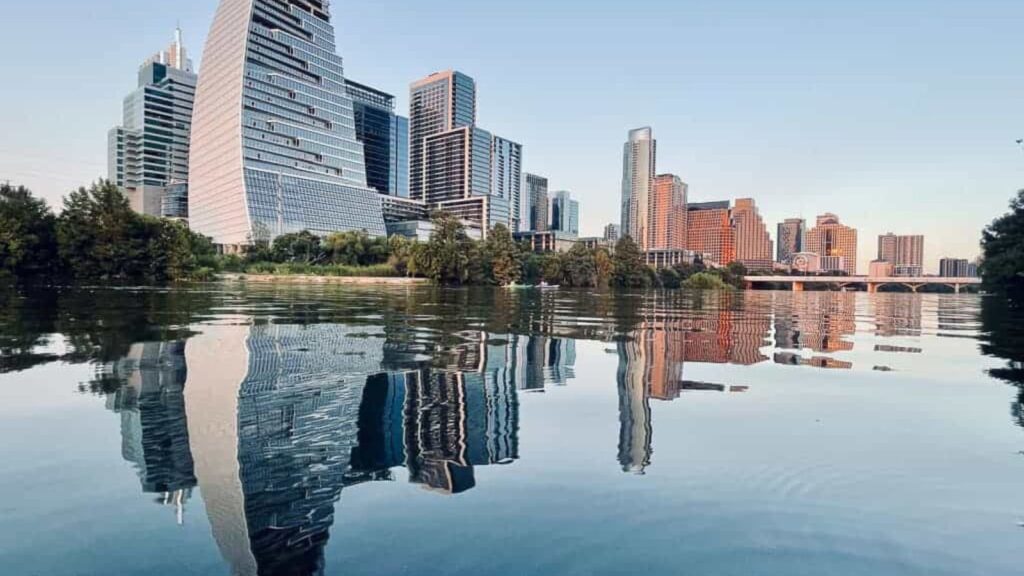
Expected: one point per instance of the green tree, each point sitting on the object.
(1002, 245)
(298, 248)
(446, 258)
(629, 269)
(705, 281)
(401, 254)
(503, 257)
(355, 248)
(27, 233)
(99, 236)
(669, 278)
(604, 267)
(579, 268)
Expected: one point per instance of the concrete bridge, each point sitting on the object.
(799, 283)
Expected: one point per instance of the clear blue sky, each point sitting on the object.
(897, 115)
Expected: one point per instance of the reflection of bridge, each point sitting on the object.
(799, 283)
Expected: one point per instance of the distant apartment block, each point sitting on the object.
(438, 103)
(150, 149)
(957, 268)
(612, 233)
(710, 231)
(754, 248)
(905, 253)
(667, 218)
(507, 177)
(835, 243)
(791, 236)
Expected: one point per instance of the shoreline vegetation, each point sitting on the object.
(97, 237)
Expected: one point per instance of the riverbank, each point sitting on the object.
(313, 279)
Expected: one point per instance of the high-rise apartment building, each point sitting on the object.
(611, 233)
(638, 171)
(831, 239)
(565, 214)
(792, 234)
(438, 103)
(957, 268)
(710, 232)
(753, 243)
(507, 177)
(905, 253)
(536, 203)
(667, 216)
(385, 139)
(150, 149)
(456, 166)
(274, 147)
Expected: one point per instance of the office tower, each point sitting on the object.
(150, 149)
(400, 157)
(536, 201)
(507, 177)
(710, 232)
(831, 240)
(905, 253)
(380, 131)
(274, 146)
(638, 170)
(753, 243)
(667, 216)
(611, 233)
(791, 236)
(565, 214)
(438, 103)
(957, 268)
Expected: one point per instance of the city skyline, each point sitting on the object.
(898, 150)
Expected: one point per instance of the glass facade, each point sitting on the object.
(565, 214)
(399, 157)
(536, 200)
(275, 148)
(175, 201)
(151, 146)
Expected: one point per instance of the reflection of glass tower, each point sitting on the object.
(154, 429)
(274, 424)
(634, 409)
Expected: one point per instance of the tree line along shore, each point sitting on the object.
(98, 237)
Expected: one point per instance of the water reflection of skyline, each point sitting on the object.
(273, 421)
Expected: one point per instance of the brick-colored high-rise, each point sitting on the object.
(709, 231)
(830, 238)
(753, 243)
(667, 216)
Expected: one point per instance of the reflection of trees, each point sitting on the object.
(1003, 327)
(98, 325)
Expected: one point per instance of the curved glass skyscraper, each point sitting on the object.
(274, 146)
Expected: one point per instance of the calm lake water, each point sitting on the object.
(328, 430)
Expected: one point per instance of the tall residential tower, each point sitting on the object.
(638, 171)
(274, 146)
(792, 234)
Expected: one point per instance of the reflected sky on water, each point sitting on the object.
(327, 430)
